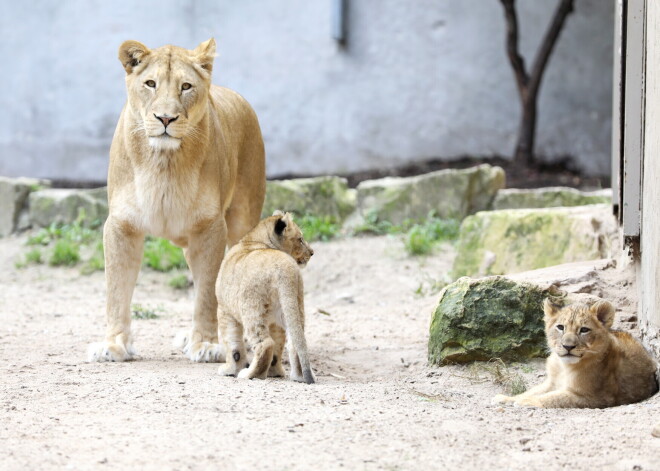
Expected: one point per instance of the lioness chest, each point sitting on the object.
(170, 206)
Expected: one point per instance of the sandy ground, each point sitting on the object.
(377, 404)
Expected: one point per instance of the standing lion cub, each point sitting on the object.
(590, 365)
(260, 296)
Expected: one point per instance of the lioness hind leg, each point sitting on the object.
(232, 337)
(204, 254)
(279, 337)
(123, 256)
(262, 345)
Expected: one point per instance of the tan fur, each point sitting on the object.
(195, 176)
(260, 297)
(589, 365)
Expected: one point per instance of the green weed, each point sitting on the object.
(372, 225)
(162, 255)
(142, 312)
(498, 372)
(422, 238)
(318, 227)
(96, 261)
(64, 253)
(180, 282)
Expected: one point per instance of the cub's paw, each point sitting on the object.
(276, 371)
(501, 399)
(244, 374)
(199, 351)
(227, 370)
(108, 351)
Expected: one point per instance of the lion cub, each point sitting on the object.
(260, 296)
(589, 365)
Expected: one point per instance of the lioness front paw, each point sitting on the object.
(501, 399)
(244, 374)
(200, 351)
(227, 370)
(108, 351)
(528, 402)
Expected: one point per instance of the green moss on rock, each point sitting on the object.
(319, 196)
(488, 318)
(549, 197)
(511, 241)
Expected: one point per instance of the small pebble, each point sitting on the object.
(656, 431)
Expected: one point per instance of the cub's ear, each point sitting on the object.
(205, 54)
(280, 225)
(131, 53)
(277, 212)
(604, 311)
(550, 309)
(287, 218)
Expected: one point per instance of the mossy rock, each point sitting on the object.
(511, 241)
(494, 317)
(14, 194)
(318, 196)
(549, 198)
(448, 194)
(64, 206)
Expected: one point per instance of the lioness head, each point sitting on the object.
(168, 90)
(289, 238)
(578, 331)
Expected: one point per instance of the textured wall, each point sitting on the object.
(417, 80)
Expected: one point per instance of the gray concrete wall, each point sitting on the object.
(418, 79)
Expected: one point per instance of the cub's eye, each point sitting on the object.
(150, 84)
(186, 86)
(584, 330)
(560, 327)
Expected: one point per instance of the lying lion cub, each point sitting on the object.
(260, 296)
(590, 365)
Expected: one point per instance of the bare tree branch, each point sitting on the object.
(564, 8)
(517, 62)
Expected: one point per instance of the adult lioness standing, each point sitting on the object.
(187, 164)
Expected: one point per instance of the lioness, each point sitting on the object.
(590, 365)
(186, 163)
(260, 295)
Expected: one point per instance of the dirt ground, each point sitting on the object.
(377, 404)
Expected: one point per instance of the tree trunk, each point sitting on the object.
(525, 147)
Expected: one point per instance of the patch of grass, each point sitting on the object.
(96, 262)
(64, 253)
(141, 312)
(422, 238)
(430, 285)
(372, 225)
(162, 255)
(180, 282)
(499, 373)
(318, 227)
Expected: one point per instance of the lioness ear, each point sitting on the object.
(131, 53)
(205, 54)
(280, 225)
(550, 309)
(604, 311)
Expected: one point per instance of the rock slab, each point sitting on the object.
(516, 240)
(14, 194)
(549, 197)
(65, 206)
(449, 194)
(488, 318)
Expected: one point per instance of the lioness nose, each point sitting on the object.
(568, 347)
(166, 119)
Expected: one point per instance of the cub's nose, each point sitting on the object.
(311, 252)
(166, 119)
(568, 347)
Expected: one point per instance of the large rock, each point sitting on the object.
(14, 201)
(488, 318)
(318, 196)
(450, 194)
(510, 241)
(549, 198)
(64, 206)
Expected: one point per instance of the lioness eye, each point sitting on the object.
(186, 86)
(150, 84)
(560, 327)
(584, 330)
